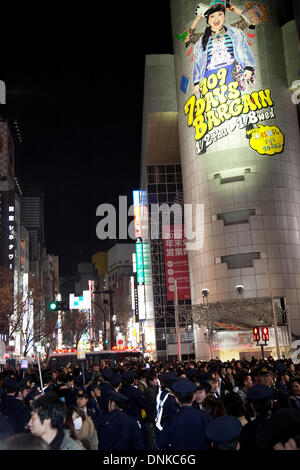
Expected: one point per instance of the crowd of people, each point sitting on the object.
(153, 406)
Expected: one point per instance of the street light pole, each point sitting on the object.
(104, 323)
(110, 292)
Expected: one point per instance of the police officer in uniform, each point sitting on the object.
(105, 388)
(119, 431)
(186, 429)
(282, 385)
(83, 403)
(266, 377)
(202, 390)
(95, 400)
(6, 429)
(224, 432)
(259, 400)
(116, 381)
(71, 392)
(136, 403)
(166, 405)
(14, 410)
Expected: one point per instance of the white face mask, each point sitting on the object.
(77, 423)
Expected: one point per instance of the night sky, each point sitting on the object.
(75, 77)
(75, 83)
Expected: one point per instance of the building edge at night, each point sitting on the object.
(251, 198)
(161, 183)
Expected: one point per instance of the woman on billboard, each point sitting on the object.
(223, 46)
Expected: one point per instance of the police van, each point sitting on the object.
(112, 358)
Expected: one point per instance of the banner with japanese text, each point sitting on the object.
(176, 262)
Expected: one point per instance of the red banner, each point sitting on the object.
(176, 262)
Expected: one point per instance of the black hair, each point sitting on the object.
(241, 379)
(50, 407)
(214, 406)
(261, 406)
(127, 381)
(207, 32)
(234, 405)
(185, 398)
(295, 379)
(143, 374)
(24, 441)
(228, 445)
(152, 374)
(47, 378)
(69, 424)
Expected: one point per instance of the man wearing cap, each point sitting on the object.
(166, 405)
(116, 382)
(136, 400)
(95, 400)
(82, 398)
(282, 384)
(16, 412)
(70, 395)
(105, 387)
(22, 391)
(186, 430)
(224, 432)
(150, 395)
(119, 431)
(202, 390)
(267, 379)
(259, 399)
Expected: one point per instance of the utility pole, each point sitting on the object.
(177, 322)
(110, 292)
(104, 322)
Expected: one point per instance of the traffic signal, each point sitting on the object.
(57, 305)
(256, 335)
(265, 334)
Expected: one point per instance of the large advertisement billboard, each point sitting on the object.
(229, 101)
(176, 262)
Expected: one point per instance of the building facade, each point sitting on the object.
(239, 150)
(161, 180)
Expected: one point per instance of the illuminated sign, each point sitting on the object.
(140, 212)
(228, 96)
(11, 237)
(139, 262)
(132, 292)
(80, 303)
(141, 301)
(176, 262)
(7, 229)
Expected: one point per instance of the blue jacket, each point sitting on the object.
(5, 428)
(136, 401)
(120, 432)
(242, 53)
(17, 414)
(185, 431)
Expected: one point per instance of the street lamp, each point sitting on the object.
(110, 292)
(104, 323)
(205, 293)
(239, 289)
